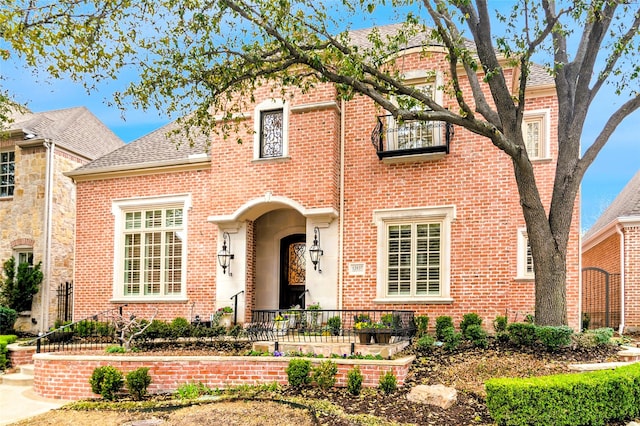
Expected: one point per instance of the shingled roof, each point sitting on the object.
(75, 129)
(538, 75)
(626, 204)
(154, 149)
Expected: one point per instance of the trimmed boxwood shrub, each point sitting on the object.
(354, 381)
(522, 333)
(106, 381)
(553, 337)
(138, 381)
(467, 321)
(593, 398)
(298, 372)
(443, 322)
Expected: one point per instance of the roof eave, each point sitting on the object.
(163, 166)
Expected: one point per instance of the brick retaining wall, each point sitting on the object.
(20, 355)
(67, 376)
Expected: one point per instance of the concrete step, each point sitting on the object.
(23, 378)
(26, 369)
(17, 379)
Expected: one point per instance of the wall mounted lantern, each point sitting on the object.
(225, 255)
(315, 251)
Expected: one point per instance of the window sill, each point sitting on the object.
(271, 160)
(414, 300)
(178, 299)
(524, 279)
(6, 198)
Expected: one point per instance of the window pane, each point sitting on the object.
(7, 168)
(153, 219)
(271, 133)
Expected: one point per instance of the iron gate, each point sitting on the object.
(600, 299)
(65, 301)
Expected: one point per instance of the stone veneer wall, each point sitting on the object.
(67, 376)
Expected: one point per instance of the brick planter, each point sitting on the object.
(67, 376)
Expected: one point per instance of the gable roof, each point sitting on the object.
(155, 149)
(75, 129)
(538, 75)
(626, 204)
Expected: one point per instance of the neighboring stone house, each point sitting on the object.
(611, 263)
(37, 202)
(426, 218)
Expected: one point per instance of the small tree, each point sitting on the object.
(129, 327)
(19, 286)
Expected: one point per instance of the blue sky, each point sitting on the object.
(614, 167)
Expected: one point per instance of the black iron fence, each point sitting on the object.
(65, 301)
(90, 333)
(309, 325)
(601, 304)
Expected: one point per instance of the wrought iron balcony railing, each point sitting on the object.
(308, 325)
(411, 137)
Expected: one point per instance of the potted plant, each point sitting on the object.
(315, 318)
(225, 316)
(334, 324)
(381, 333)
(280, 324)
(364, 331)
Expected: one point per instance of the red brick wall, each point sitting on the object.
(67, 377)
(479, 180)
(604, 255)
(20, 355)
(476, 178)
(93, 286)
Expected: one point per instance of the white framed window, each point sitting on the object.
(414, 253)
(150, 253)
(417, 134)
(525, 258)
(7, 173)
(536, 132)
(24, 256)
(271, 129)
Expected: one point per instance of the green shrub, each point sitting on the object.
(602, 336)
(193, 390)
(8, 318)
(593, 398)
(138, 381)
(334, 324)
(500, 324)
(467, 321)
(180, 327)
(477, 335)
(425, 342)
(298, 372)
(8, 338)
(422, 324)
(115, 349)
(354, 381)
(324, 375)
(553, 337)
(522, 333)
(593, 338)
(451, 338)
(443, 322)
(388, 383)
(106, 381)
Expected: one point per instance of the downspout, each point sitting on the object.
(341, 226)
(622, 263)
(48, 208)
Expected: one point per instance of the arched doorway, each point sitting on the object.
(292, 270)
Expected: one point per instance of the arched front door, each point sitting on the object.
(292, 270)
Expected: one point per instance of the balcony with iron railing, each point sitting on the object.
(410, 139)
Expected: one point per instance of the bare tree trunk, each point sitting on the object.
(551, 289)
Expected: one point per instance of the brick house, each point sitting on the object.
(419, 216)
(611, 262)
(37, 202)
